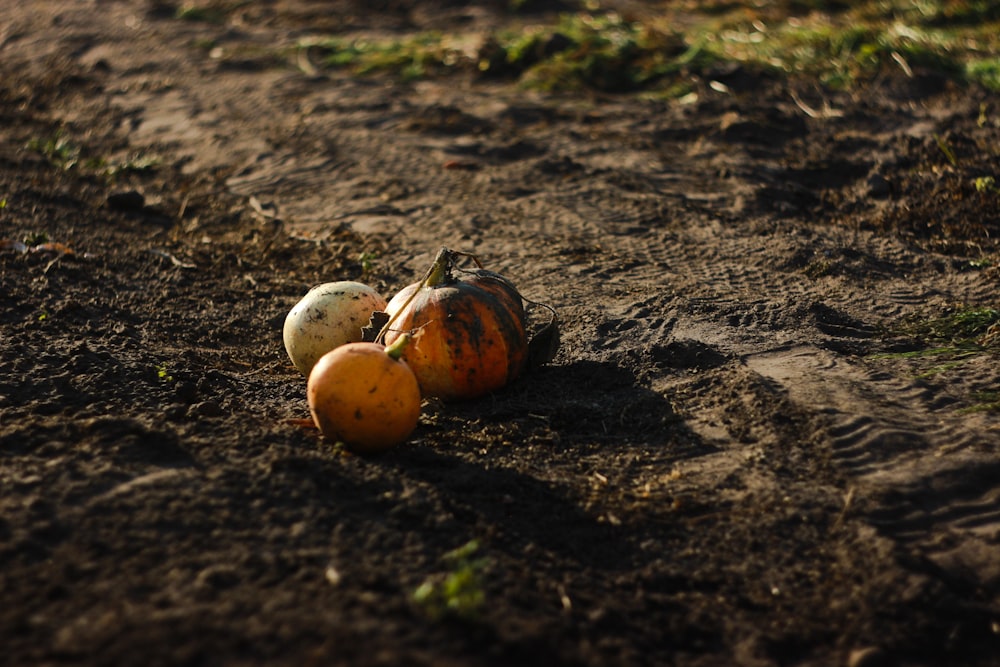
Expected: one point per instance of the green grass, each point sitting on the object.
(204, 13)
(839, 44)
(135, 163)
(58, 149)
(459, 591)
(986, 71)
(65, 154)
(949, 342)
(985, 401)
(368, 261)
(986, 185)
(599, 51)
(961, 327)
(958, 353)
(838, 55)
(842, 48)
(413, 57)
(955, 336)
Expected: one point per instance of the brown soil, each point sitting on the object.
(716, 469)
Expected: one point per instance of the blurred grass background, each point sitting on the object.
(663, 47)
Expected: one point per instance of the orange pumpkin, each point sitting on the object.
(469, 330)
(363, 395)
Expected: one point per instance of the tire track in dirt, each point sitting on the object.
(898, 446)
(736, 304)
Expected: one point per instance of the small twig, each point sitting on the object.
(304, 62)
(946, 149)
(827, 112)
(267, 211)
(278, 226)
(848, 499)
(173, 260)
(442, 264)
(903, 65)
(474, 258)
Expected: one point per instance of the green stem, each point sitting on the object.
(440, 272)
(395, 351)
(441, 269)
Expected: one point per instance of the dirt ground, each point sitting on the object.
(721, 466)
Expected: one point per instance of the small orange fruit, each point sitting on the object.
(364, 395)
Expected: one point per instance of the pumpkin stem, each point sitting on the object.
(438, 274)
(440, 271)
(444, 262)
(395, 351)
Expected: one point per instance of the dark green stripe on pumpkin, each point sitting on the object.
(510, 317)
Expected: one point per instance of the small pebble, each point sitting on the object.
(869, 656)
(878, 186)
(175, 412)
(205, 409)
